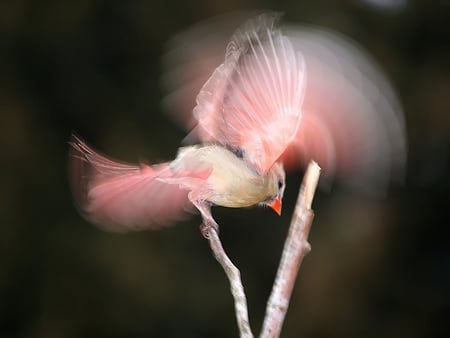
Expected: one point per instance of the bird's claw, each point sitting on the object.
(207, 226)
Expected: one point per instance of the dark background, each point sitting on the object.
(379, 268)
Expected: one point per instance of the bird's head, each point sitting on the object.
(276, 184)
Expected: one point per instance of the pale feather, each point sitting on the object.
(231, 182)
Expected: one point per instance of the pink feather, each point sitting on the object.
(122, 197)
(352, 123)
(253, 100)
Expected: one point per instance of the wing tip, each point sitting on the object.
(79, 168)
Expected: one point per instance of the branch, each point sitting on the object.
(237, 289)
(296, 247)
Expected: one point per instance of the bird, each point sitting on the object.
(282, 96)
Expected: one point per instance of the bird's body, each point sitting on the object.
(231, 182)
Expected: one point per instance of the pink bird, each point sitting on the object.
(280, 98)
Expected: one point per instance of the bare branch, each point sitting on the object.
(237, 289)
(296, 247)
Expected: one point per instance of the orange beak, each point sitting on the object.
(276, 205)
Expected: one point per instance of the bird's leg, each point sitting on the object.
(208, 221)
(205, 209)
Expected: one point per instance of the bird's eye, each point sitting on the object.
(239, 152)
(280, 184)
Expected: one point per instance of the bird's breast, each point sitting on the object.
(233, 182)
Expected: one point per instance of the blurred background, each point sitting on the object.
(378, 268)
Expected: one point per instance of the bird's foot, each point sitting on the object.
(207, 226)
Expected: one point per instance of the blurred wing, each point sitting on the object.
(121, 197)
(252, 102)
(352, 123)
(190, 59)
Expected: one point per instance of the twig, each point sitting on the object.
(237, 289)
(296, 247)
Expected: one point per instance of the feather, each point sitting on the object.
(122, 197)
(252, 102)
(352, 122)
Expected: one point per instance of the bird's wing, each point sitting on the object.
(253, 101)
(352, 123)
(122, 197)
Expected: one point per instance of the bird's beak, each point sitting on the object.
(276, 205)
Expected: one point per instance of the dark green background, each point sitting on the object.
(379, 268)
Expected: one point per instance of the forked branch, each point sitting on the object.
(296, 247)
